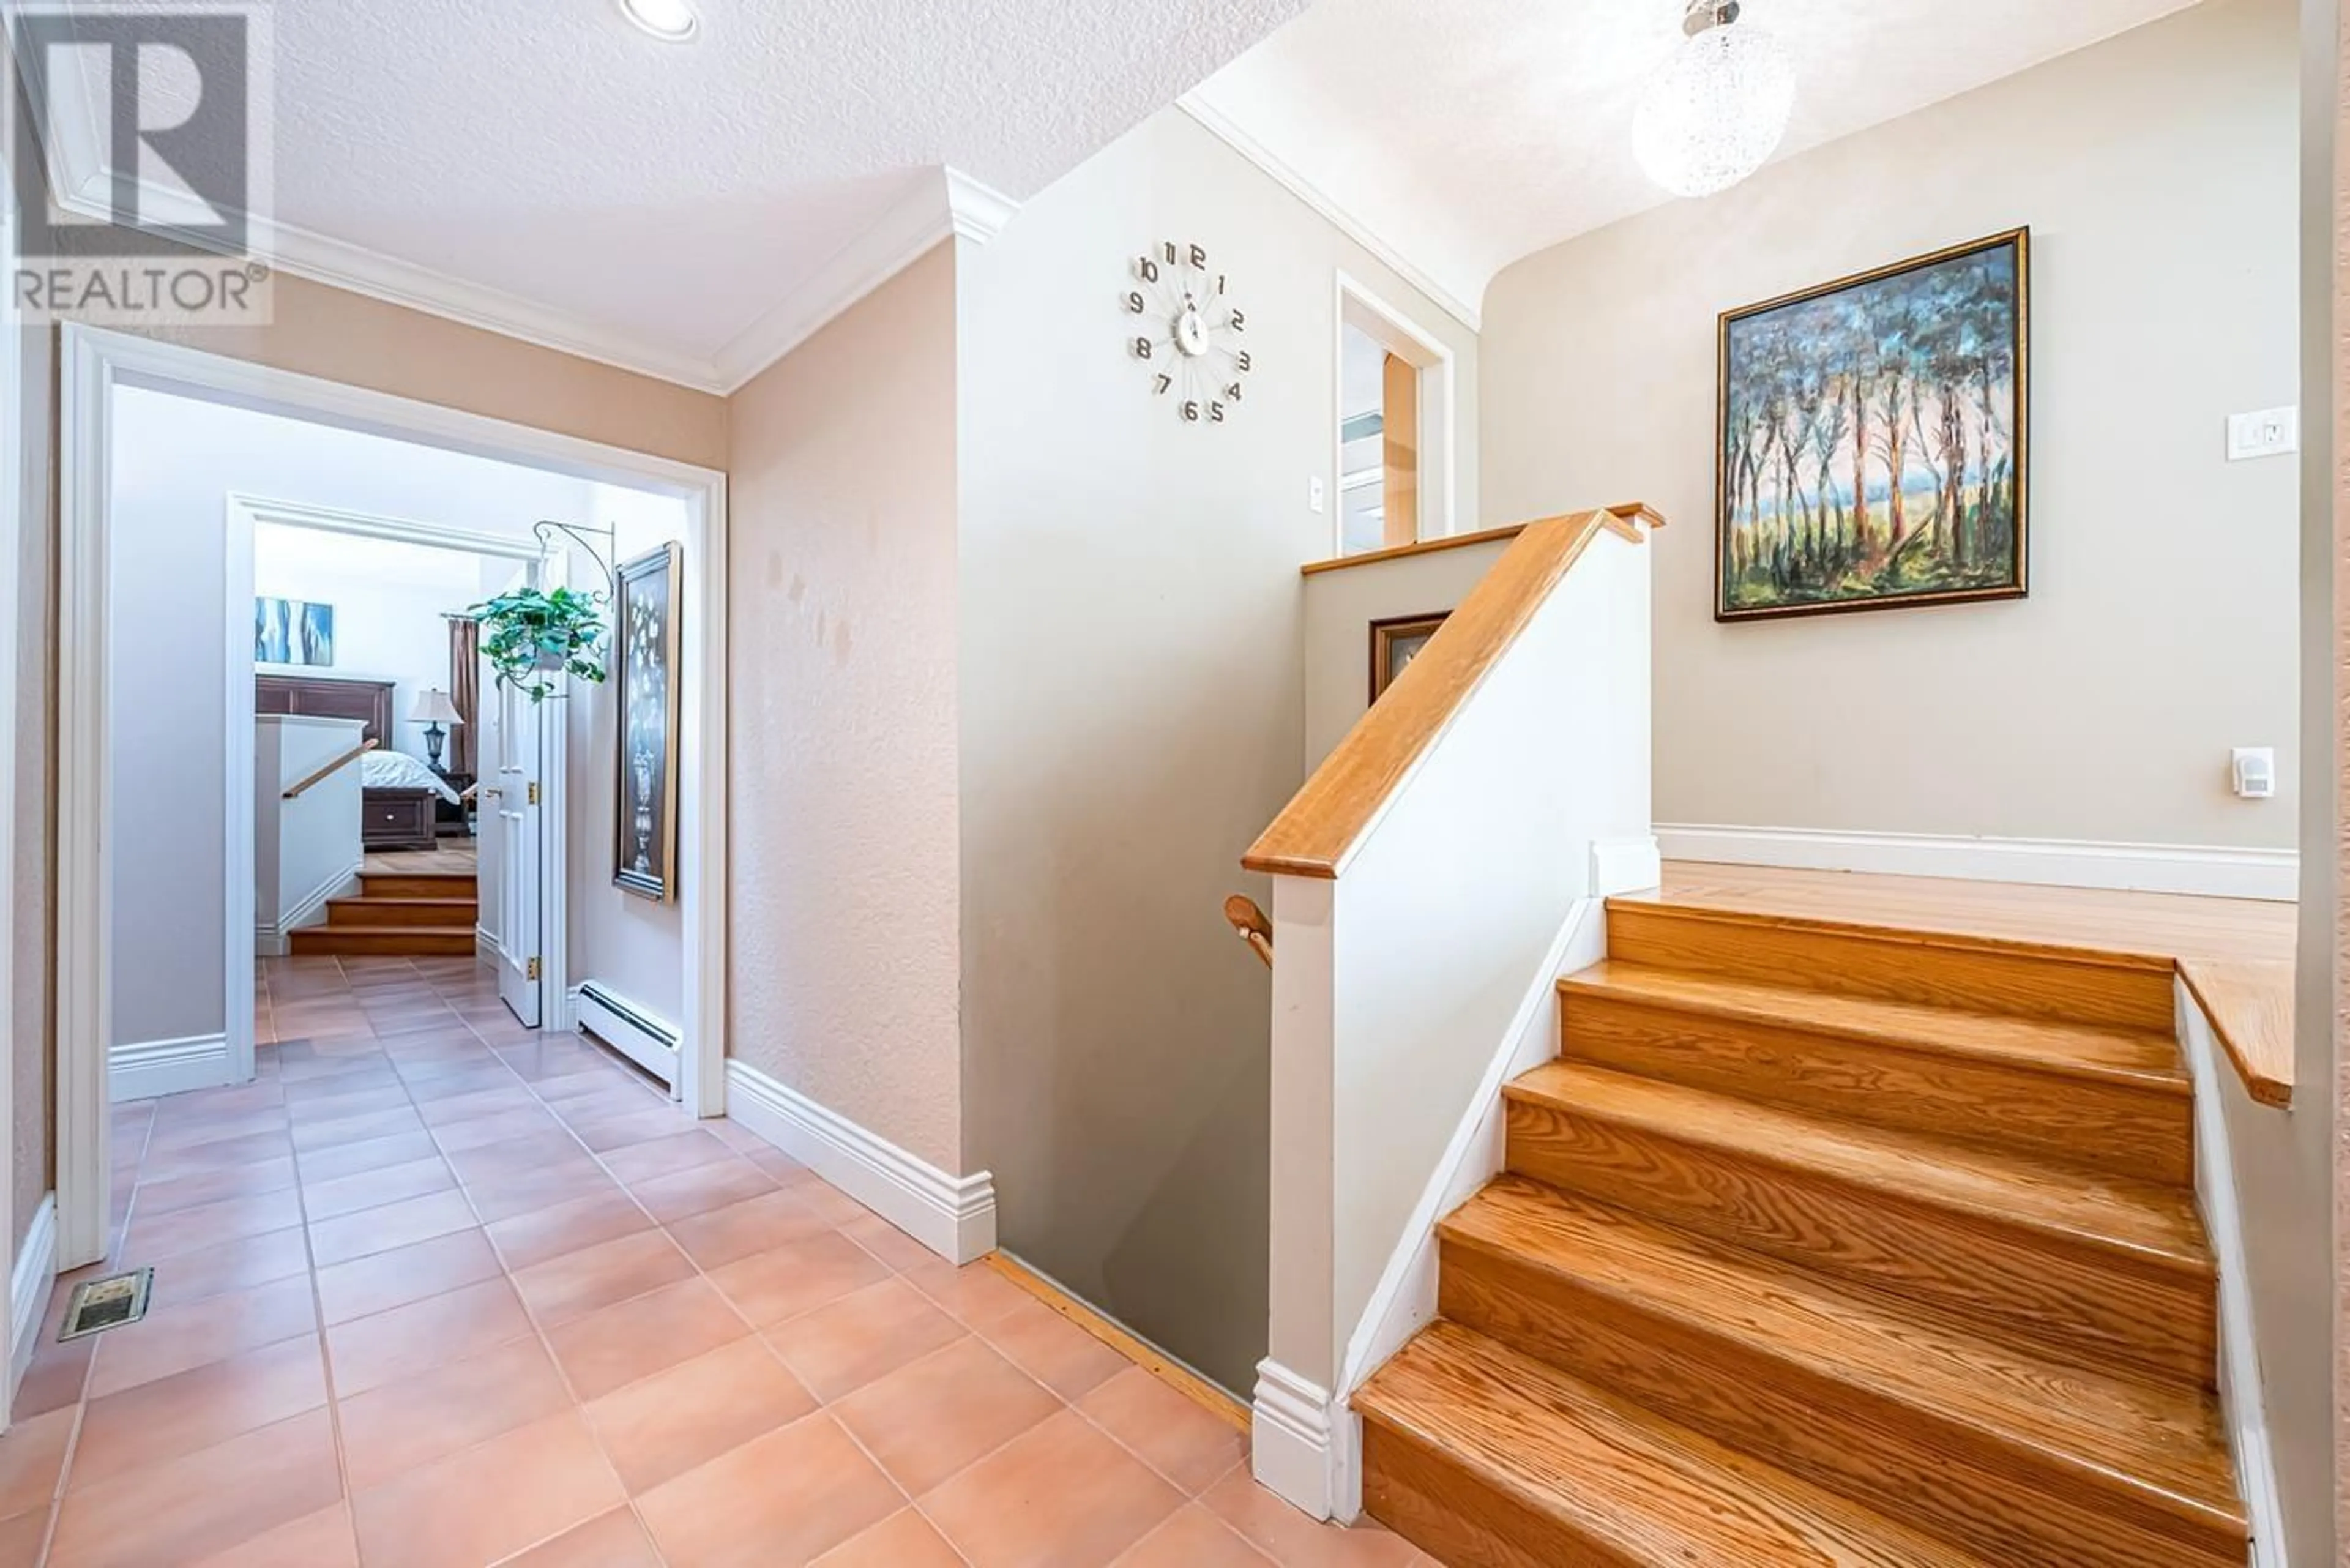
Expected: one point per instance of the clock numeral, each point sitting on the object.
(1216, 414)
(1142, 347)
(1220, 282)
(1165, 381)
(1146, 269)
(1232, 392)
(1243, 361)
(1167, 249)
(1192, 412)
(1240, 322)
(1199, 258)
(1134, 301)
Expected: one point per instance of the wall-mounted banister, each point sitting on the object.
(1249, 924)
(1324, 822)
(354, 754)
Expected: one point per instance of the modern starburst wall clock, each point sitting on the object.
(1189, 336)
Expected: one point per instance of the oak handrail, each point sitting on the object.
(1323, 821)
(1250, 925)
(354, 754)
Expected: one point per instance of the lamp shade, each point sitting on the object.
(433, 707)
(1718, 109)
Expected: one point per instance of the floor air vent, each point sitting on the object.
(109, 1303)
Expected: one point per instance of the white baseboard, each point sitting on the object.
(28, 1287)
(953, 1216)
(1626, 865)
(154, 1067)
(651, 1042)
(485, 944)
(1304, 1447)
(2241, 1398)
(276, 940)
(2214, 870)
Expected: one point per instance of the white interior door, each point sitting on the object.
(515, 770)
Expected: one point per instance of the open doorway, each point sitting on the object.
(1395, 426)
(321, 514)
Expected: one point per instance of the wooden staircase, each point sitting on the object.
(1825, 1244)
(412, 914)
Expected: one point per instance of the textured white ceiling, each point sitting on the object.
(1465, 134)
(544, 160)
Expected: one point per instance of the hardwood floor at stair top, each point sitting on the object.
(1597, 1469)
(2156, 1224)
(2139, 1058)
(2162, 1443)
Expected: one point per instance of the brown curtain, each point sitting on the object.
(464, 689)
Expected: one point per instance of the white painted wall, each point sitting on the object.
(2156, 172)
(1132, 716)
(176, 460)
(388, 597)
(1401, 982)
(306, 849)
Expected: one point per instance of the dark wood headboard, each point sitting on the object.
(325, 697)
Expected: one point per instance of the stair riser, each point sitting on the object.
(421, 941)
(2010, 1282)
(400, 885)
(1894, 968)
(2004, 1500)
(1447, 1511)
(2092, 1124)
(386, 912)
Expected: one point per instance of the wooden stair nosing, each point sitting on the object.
(1865, 1061)
(2156, 1450)
(427, 939)
(2028, 1285)
(2031, 980)
(2140, 1222)
(1575, 1471)
(347, 911)
(2006, 1040)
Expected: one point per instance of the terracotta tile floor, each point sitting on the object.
(437, 1290)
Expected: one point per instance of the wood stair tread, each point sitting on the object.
(2140, 1058)
(2154, 1224)
(406, 901)
(1647, 1490)
(2162, 1444)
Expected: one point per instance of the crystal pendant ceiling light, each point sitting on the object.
(1719, 107)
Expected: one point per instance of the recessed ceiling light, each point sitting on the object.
(670, 21)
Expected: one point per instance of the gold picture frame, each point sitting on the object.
(644, 676)
(1396, 642)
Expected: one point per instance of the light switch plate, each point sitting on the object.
(2268, 433)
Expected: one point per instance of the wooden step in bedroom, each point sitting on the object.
(414, 914)
(1825, 1244)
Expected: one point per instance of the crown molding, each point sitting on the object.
(943, 203)
(1230, 132)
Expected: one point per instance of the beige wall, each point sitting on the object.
(2156, 170)
(331, 333)
(1132, 717)
(842, 615)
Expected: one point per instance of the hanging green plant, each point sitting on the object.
(533, 638)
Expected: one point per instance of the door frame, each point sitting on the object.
(241, 513)
(92, 362)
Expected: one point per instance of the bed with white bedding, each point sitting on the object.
(380, 769)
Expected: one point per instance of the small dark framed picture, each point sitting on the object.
(1396, 642)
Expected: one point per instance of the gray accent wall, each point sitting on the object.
(1131, 677)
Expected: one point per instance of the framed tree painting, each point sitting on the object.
(645, 819)
(1396, 642)
(1870, 439)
